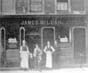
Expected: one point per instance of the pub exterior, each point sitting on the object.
(62, 22)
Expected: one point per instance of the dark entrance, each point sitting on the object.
(48, 34)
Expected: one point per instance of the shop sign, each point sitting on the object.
(41, 22)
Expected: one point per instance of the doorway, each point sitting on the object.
(79, 45)
(47, 34)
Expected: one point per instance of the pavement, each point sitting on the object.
(65, 70)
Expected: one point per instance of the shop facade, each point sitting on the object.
(61, 22)
(66, 33)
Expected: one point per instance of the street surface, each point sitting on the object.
(69, 70)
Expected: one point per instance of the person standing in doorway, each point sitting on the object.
(37, 56)
(48, 50)
(24, 54)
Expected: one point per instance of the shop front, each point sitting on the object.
(60, 31)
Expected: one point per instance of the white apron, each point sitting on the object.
(24, 60)
(49, 59)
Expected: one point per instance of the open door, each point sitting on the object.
(47, 34)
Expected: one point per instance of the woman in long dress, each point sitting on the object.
(24, 54)
(49, 50)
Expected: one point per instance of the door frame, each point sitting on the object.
(21, 28)
(42, 34)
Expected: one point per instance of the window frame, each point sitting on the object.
(69, 39)
(37, 12)
(69, 7)
(54, 9)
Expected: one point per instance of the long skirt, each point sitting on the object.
(24, 60)
(49, 59)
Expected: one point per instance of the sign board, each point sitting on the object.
(41, 22)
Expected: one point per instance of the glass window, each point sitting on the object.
(22, 6)
(36, 6)
(27, 6)
(8, 6)
(78, 5)
(62, 4)
(49, 6)
(12, 36)
(62, 34)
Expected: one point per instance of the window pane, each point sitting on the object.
(62, 34)
(77, 5)
(8, 6)
(62, 4)
(36, 5)
(49, 6)
(22, 6)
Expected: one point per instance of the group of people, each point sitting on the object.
(25, 55)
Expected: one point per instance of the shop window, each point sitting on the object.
(12, 43)
(12, 36)
(62, 5)
(63, 34)
(36, 5)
